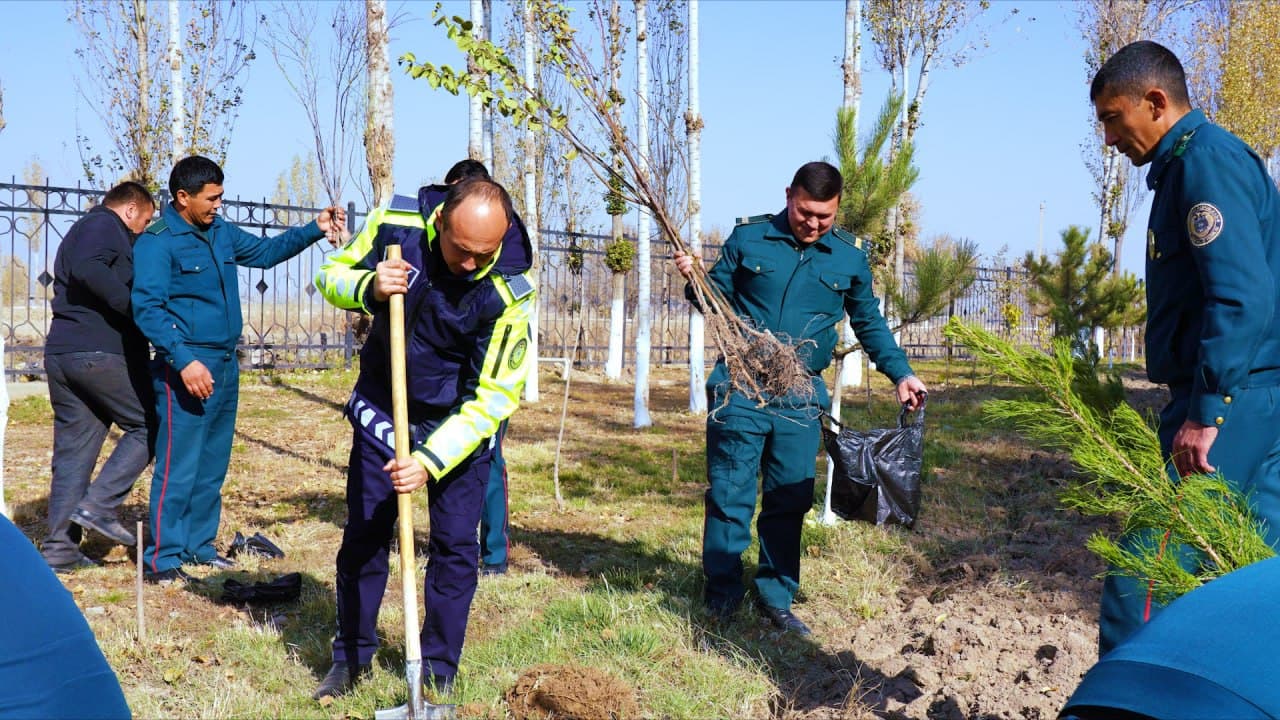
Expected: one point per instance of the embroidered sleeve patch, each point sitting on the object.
(1204, 224)
(518, 353)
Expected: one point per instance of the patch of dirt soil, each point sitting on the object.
(570, 692)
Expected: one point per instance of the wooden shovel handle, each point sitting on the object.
(404, 501)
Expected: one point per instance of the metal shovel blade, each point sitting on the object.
(424, 711)
(417, 708)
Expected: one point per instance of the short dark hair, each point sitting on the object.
(1138, 67)
(820, 180)
(484, 189)
(192, 174)
(128, 192)
(466, 170)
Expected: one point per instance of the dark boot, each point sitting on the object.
(340, 680)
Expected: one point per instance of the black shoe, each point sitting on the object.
(257, 545)
(783, 619)
(170, 576)
(721, 610)
(80, 563)
(494, 568)
(340, 680)
(110, 527)
(219, 562)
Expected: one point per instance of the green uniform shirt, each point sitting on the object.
(800, 292)
(1213, 258)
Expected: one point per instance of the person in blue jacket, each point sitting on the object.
(186, 300)
(1213, 296)
(1209, 654)
(795, 275)
(95, 361)
(50, 662)
(468, 301)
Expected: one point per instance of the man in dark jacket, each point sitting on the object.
(96, 365)
(468, 299)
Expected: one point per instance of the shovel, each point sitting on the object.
(417, 708)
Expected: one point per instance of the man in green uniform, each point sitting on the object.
(795, 275)
(1213, 305)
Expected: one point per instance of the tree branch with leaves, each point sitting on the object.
(761, 365)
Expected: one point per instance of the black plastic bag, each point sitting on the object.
(877, 472)
(282, 589)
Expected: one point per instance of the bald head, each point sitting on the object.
(473, 219)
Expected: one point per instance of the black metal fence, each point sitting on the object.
(288, 324)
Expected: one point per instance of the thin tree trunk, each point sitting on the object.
(617, 303)
(644, 304)
(176, 92)
(891, 225)
(141, 143)
(848, 370)
(531, 205)
(486, 138)
(693, 122)
(475, 116)
(617, 317)
(379, 140)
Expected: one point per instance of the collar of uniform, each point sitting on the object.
(780, 229)
(1164, 149)
(178, 225)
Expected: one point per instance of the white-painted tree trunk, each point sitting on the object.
(617, 320)
(531, 218)
(644, 302)
(475, 115)
(379, 136)
(697, 342)
(177, 107)
(848, 370)
(617, 300)
(486, 136)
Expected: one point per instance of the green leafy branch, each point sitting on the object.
(1124, 474)
(760, 365)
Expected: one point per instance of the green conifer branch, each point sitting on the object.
(1123, 474)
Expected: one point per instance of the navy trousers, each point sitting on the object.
(494, 541)
(90, 392)
(193, 449)
(1246, 454)
(453, 552)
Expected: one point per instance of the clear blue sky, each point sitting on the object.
(1000, 135)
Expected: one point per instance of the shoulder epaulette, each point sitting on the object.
(749, 220)
(1181, 146)
(157, 227)
(519, 285)
(848, 237)
(403, 203)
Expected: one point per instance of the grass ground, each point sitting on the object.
(611, 580)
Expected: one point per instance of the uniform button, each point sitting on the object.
(1227, 399)
(1158, 254)
(1217, 420)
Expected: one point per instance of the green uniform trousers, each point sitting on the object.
(768, 450)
